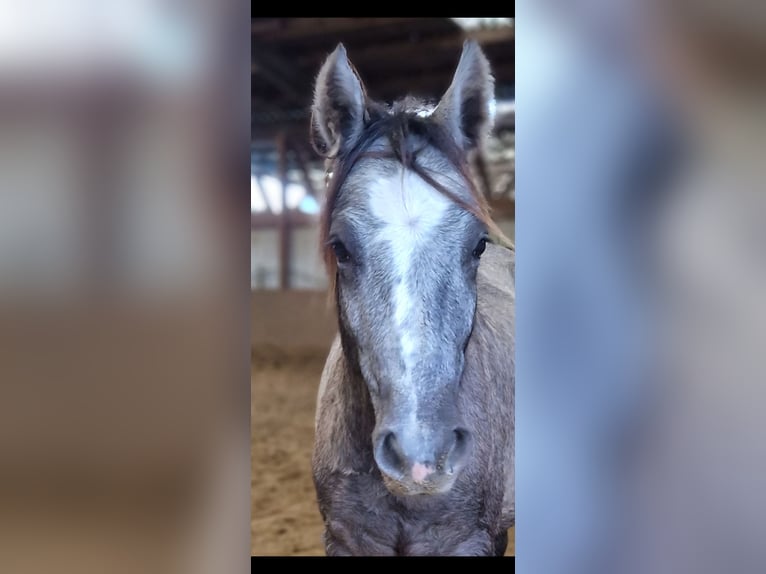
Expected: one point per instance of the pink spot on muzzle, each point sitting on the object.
(420, 472)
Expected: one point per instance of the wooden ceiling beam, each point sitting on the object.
(279, 73)
(394, 54)
(284, 87)
(434, 84)
(264, 135)
(267, 25)
(488, 36)
(401, 51)
(300, 28)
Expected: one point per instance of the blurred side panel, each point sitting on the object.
(124, 306)
(640, 281)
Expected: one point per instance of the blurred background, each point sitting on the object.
(293, 323)
(123, 286)
(640, 286)
(395, 57)
(132, 270)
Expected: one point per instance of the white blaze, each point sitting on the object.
(410, 210)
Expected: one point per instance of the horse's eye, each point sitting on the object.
(480, 247)
(341, 253)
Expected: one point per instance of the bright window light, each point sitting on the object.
(472, 24)
(266, 195)
(257, 204)
(295, 194)
(272, 189)
(309, 205)
(503, 107)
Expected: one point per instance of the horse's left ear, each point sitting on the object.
(337, 116)
(466, 107)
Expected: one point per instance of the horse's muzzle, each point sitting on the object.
(414, 464)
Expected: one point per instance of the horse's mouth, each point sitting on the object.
(432, 486)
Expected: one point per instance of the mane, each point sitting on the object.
(396, 125)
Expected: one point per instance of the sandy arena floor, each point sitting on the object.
(285, 519)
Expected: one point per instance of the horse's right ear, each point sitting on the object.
(466, 108)
(337, 116)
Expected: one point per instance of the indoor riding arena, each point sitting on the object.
(293, 320)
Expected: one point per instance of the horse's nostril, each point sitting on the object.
(462, 436)
(389, 441)
(458, 454)
(389, 456)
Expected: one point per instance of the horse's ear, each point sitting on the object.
(466, 109)
(337, 116)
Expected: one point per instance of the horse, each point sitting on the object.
(414, 429)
